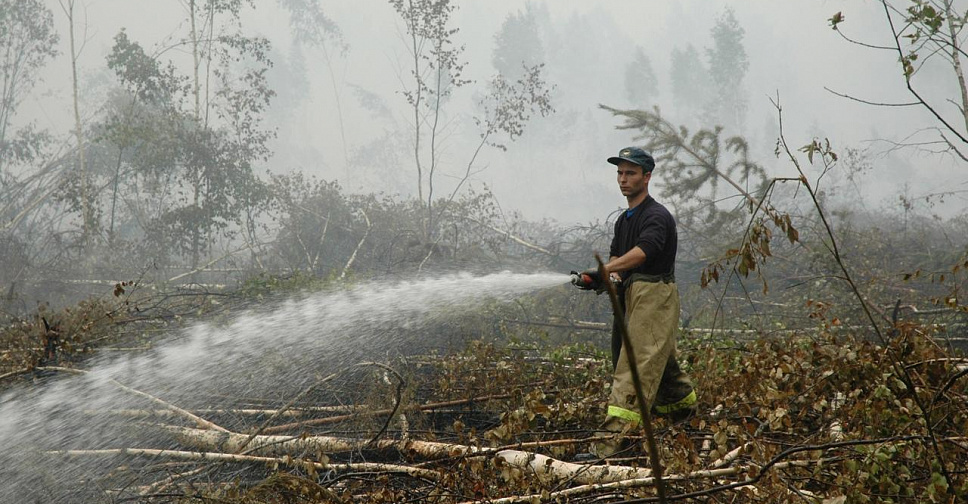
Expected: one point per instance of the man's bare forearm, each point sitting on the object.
(632, 259)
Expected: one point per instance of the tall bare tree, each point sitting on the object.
(437, 66)
(87, 215)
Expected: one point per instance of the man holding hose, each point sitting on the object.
(641, 262)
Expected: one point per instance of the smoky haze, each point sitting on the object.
(340, 113)
(209, 141)
(226, 203)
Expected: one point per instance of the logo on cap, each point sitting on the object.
(626, 152)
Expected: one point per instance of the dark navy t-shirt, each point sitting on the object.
(650, 227)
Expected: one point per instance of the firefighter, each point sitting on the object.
(642, 264)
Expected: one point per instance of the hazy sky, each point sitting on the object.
(557, 169)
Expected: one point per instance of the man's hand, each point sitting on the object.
(587, 280)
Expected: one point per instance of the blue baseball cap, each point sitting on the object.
(635, 156)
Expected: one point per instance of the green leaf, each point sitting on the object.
(908, 67)
(836, 19)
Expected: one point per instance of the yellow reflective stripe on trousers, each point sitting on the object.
(615, 411)
(683, 403)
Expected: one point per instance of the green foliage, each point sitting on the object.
(144, 76)
(922, 32)
(509, 105)
(437, 68)
(177, 179)
(836, 19)
(27, 42)
(428, 24)
(926, 20)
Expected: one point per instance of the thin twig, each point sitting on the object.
(774, 462)
(907, 81)
(636, 381)
(285, 408)
(422, 407)
(396, 405)
(879, 104)
(896, 362)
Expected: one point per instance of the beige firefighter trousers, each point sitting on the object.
(652, 314)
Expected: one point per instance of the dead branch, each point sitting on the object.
(206, 265)
(359, 245)
(777, 463)
(278, 413)
(201, 422)
(271, 461)
(731, 456)
(284, 409)
(550, 470)
(507, 234)
(644, 406)
(958, 362)
(578, 324)
(646, 482)
(341, 418)
(397, 400)
(14, 373)
(951, 381)
(170, 480)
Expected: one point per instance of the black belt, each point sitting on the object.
(642, 277)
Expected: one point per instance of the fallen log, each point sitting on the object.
(639, 482)
(232, 442)
(614, 485)
(541, 466)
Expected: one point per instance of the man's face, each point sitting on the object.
(631, 179)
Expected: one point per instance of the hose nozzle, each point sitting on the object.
(585, 281)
